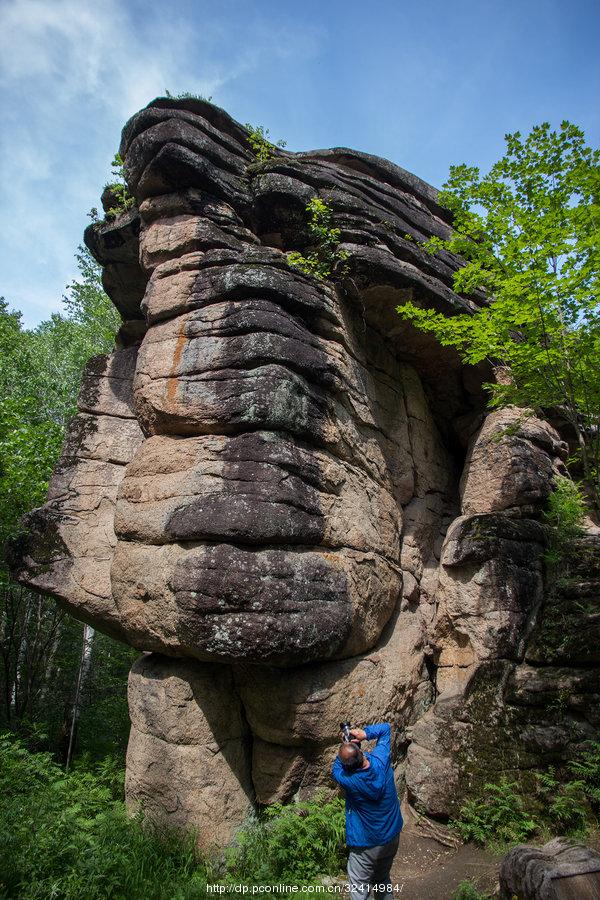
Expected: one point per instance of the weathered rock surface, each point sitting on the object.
(115, 246)
(188, 750)
(511, 464)
(293, 502)
(518, 688)
(560, 870)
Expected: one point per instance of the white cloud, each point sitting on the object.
(71, 73)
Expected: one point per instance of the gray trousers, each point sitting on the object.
(369, 869)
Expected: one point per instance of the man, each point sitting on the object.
(373, 817)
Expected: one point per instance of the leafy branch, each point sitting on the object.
(262, 147)
(326, 255)
(121, 199)
(528, 233)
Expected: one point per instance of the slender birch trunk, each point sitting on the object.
(84, 667)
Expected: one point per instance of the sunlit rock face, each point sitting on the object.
(282, 444)
(265, 488)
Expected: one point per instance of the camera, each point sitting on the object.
(346, 737)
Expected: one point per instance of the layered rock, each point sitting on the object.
(516, 669)
(283, 494)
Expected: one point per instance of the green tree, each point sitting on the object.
(29, 438)
(40, 646)
(529, 234)
(40, 374)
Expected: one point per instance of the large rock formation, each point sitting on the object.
(283, 494)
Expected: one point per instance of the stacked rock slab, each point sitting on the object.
(265, 490)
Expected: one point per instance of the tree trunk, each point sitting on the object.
(84, 666)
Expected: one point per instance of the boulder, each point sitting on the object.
(511, 464)
(560, 870)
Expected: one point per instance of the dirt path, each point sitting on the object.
(425, 869)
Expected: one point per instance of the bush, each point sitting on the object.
(326, 255)
(499, 817)
(262, 147)
(122, 199)
(568, 806)
(565, 805)
(565, 512)
(587, 770)
(293, 844)
(68, 836)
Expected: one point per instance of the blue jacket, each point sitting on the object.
(373, 814)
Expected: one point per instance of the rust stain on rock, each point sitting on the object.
(173, 376)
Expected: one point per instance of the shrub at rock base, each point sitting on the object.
(291, 844)
(502, 816)
(68, 835)
(499, 817)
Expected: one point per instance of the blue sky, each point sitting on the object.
(424, 83)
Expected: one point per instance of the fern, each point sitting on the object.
(499, 817)
(294, 844)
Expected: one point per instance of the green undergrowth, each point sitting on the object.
(468, 891)
(505, 814)
(291, 844)
(67, 835)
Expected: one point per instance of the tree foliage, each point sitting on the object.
(40, 373)
(40, 646)
(529, 234)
